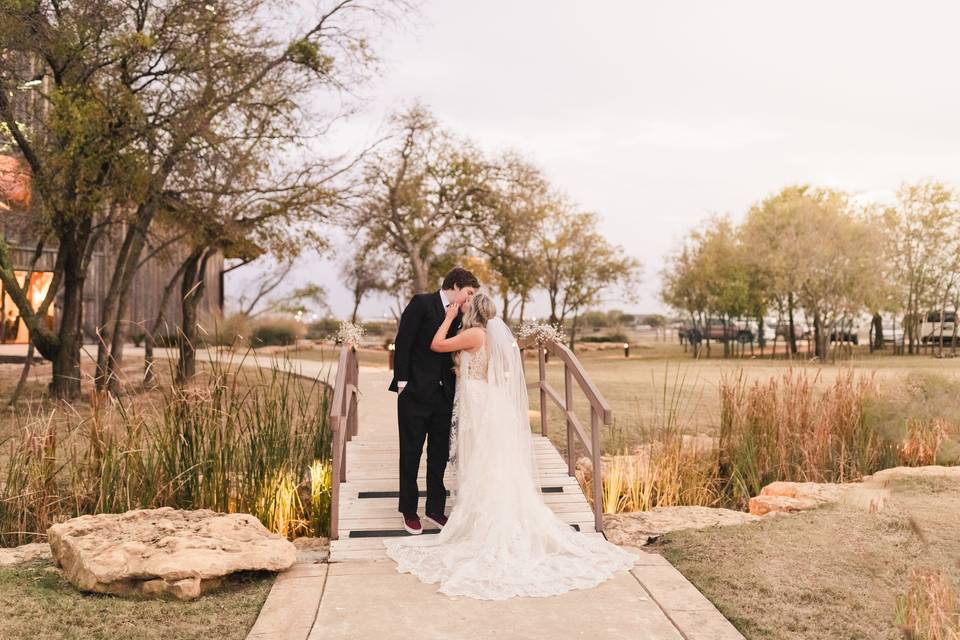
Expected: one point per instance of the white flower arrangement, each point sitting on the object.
(350, 334)
(541, 332)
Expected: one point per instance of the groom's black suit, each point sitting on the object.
(425, 406)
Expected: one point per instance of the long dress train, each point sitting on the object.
(501, 540)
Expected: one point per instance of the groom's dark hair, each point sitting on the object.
(460, 278)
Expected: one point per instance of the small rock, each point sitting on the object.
(898, 473)
(642, 527)
(762, 505)
(822, 492)
(24, 553)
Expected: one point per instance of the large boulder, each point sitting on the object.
(164, 552)
(642, 527)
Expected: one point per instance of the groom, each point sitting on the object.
(425, 383)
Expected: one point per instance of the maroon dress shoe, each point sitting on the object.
(411, 524)
(436, 518)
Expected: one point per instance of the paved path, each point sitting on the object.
(361, 595)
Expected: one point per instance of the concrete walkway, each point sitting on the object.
(359, 598)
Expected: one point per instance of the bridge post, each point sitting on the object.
(542, 363)
(568, 402)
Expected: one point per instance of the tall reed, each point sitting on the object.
(930, 610)
(243, 441)
(789, 427)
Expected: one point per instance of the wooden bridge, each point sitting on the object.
(366, 458)
(360, 594)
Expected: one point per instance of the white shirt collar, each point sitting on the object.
(443, 299)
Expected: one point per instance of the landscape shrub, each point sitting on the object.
(276, 331)
(615, 337)
(235, 329)
(323, 329)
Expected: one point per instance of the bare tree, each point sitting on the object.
(420, 190)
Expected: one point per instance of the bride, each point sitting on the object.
(501, 540)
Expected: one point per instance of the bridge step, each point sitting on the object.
(368, 499)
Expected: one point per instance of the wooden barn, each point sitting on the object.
(148, 285)
(151, 279)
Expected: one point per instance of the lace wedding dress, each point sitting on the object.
(501, 540)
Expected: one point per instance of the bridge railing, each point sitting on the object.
(600, 412)
(343, 426)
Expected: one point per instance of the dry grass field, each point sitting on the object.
(660, 381)
(791, 578)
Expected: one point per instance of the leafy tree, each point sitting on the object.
(580, 265)
(364, 273)
(521, 201)
(921, 236)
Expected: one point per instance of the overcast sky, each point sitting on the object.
(659, 114)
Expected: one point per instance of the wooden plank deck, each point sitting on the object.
(368, 499)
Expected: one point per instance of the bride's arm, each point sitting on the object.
(463, 341)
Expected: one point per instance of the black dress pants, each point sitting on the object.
(423, 418)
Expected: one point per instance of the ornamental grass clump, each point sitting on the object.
(243, 439)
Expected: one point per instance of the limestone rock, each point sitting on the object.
(164, 552)
(24, 553)
(642, 527)
(898, 473)
(822, 492)
(762, 505)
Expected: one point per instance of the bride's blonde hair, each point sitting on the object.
(481, 310)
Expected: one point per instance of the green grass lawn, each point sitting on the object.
(835, 572)
(37, 603)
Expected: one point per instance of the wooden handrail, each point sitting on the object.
(600, 413)
(343, 426)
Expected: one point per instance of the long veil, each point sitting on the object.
(509, 386)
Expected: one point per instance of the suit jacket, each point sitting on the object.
(424, 370)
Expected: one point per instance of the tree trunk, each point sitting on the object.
(821, 337)
(191, 295)
(150, 339)
(761, 338)
(420, 269)
(24, 375)
(877, 324)
(573, 328)
(356, 308)
(791, 334)
(66, 361)
(109, 310)
(120, 326)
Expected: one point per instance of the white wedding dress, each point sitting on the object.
(501, 540)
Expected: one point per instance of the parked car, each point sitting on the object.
(936, 327)
(720, 332)
(782, 330)
(847, 332)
